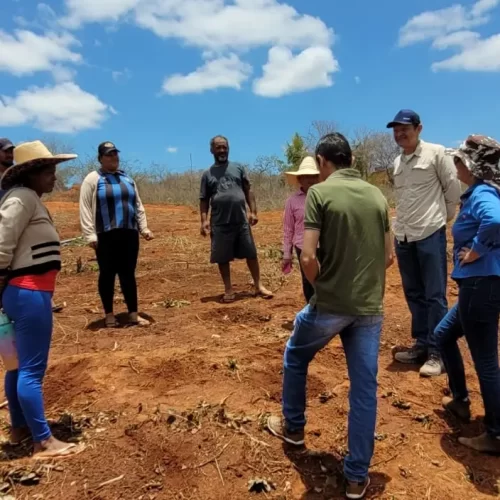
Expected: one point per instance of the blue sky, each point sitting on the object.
(160, 77)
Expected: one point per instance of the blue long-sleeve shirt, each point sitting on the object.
(478, 227)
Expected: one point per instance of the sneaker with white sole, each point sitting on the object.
(433, 367)
(409, 356)
(356, 490)
(276, 426)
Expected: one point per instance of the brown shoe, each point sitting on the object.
(355, 490)
(460, 409)
(276, 426)
(483, 443)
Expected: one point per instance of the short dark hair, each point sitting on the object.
(335, 149)
(212, 140)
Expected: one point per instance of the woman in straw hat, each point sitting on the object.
(476, 256)
(293, 219)
(30, 260)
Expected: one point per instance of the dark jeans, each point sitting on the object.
(307, 288)
(423, 269)
(474, 316)
(117, 253)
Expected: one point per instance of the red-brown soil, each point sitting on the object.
(174, 411)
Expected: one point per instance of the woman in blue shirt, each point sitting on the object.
(476, 257)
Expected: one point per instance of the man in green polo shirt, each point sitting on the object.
(349, 219)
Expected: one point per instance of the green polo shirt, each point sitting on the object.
(352, 217)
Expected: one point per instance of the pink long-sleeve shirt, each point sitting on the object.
(293, 223)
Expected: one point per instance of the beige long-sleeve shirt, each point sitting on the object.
(427, 192)
(29, 243)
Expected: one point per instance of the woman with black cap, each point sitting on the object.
(30, 260)
(112, 216)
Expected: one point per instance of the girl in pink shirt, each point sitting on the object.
(293, 219)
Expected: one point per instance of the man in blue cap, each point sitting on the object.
(6, 156)
(427, 193)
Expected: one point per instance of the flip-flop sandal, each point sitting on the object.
(57, 308)
(228, 298)
(140, 322)
(264, 295)
(63, 453)
(111, 323)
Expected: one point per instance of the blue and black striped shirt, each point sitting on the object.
(116, 202)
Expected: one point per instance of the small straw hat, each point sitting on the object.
(308, 166)
(29, 156)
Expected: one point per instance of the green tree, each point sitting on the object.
(295, 152)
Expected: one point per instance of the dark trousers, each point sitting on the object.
(423, 269)
(117, 253)
(474, 316)
(307, 288)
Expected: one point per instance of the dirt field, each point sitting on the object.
(175, 411)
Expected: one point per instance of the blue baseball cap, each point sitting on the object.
(405, 117)
(5, 144)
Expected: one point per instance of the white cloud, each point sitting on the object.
(451, 29)
(224, 72)
(25, 52)
(222, 30)
(457, 39)
(484, 6)
(357, 79)
(121, 76)
(285, 73)
(85, 11)
(213, 24)
(63, 108)
(433, 24)
(477, 55)
(172, 149)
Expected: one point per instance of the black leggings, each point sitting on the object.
(117, 253)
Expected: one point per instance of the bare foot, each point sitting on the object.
(18, 435)
(135, 320)
(52, 448)
(263, 292)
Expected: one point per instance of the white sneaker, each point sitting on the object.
(433, 367)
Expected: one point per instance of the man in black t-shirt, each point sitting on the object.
(225, 189)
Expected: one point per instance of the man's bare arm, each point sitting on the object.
(205, 225)
(308, 258)
(389, 250)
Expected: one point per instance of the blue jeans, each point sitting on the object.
(424, 272)
(360, 337)
(474, 316)
(31, 312)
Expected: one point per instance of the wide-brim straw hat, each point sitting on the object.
(308, 166)
(30, 156)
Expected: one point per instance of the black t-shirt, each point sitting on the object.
(224, 186)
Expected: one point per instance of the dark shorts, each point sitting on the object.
(232, 242)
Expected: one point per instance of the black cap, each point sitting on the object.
(5, 144)
(106, 147)
(405, 117)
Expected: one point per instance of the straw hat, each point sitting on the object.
(308, 166)
(29, 156)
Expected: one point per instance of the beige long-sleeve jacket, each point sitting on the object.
(88, 209)
(427, 192)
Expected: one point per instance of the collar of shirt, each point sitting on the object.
(468, 192)
(417, 153)
(346, 172)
